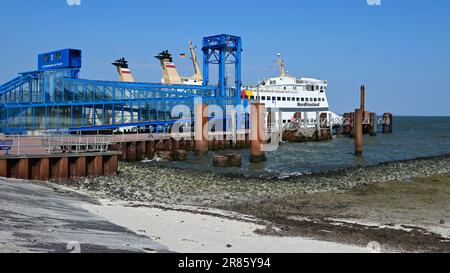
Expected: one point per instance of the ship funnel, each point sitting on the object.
(123, 70)
(170, 73)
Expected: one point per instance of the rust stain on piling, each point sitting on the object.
(201, 122)
(256, 141)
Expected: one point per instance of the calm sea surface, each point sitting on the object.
(413, 137)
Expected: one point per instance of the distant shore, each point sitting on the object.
(303, 204)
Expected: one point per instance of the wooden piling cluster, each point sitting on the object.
(59, 166)
(363, 122)
(369, 120)
(323, 130)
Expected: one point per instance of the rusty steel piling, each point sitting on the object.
(256, 121)
(358, 132)
(200, 134)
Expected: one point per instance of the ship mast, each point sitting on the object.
(281, 64)
(198, 73)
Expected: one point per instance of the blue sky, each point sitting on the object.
(399, 50)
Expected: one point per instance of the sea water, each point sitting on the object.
(413, 137)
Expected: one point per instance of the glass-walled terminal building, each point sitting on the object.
(55, 98)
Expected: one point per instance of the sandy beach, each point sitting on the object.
(185, 230)
(402, 206)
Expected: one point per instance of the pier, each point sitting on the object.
(77, 128)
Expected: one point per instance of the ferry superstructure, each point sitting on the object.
(293, 97)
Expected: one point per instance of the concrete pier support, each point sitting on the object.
(318, 126)
(358, 132)
(233, 125)
(352, 124)
(256, 121)
(150, 150)
(140, 150)
(387, 123)
(131, 151)
(200, 130)
(373, 124)
(330, 124)
(306, 120)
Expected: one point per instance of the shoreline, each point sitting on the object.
(400, 204)
(293, 177)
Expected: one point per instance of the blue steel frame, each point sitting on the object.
(58, 100)
(223, 50)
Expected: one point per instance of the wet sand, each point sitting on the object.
(188, 230)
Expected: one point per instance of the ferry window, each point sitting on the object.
(323, 99)
(307, 99)
(46, 58)
(252, 97)
(303, 99)
(273, 82)
(273, 98)
(317, 87)
(279, 99)
(284, 98)
(298, 99)
(263, 98)
(310, 99)
(315, 99)
(285, 88)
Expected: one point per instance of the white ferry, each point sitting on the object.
(296, 98)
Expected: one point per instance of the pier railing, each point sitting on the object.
(54, 144)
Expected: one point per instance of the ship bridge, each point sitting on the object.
(54, 97)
